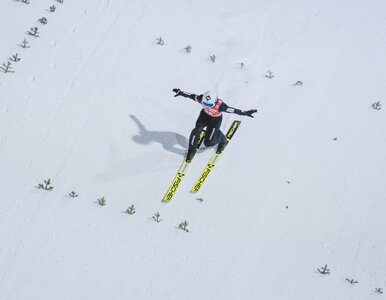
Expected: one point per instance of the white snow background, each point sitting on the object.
(91, 107)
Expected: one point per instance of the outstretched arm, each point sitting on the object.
(232, 110)
(194, 97)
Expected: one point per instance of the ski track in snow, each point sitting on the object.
(84, 59)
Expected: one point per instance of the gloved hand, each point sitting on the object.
(178, 92)
(250, 112)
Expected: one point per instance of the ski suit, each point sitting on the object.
(210, 118)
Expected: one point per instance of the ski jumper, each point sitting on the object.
(211, 118)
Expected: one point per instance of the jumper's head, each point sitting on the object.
(209, 99)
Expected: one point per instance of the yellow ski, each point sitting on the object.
(180, 174)
(176, 182)
(213, 160)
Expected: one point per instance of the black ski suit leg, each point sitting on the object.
(194, 137)
(213, 134)
(195, 134)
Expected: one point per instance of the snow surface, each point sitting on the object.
(90, 107)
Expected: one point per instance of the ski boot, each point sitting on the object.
(221, 147)
(193, 149)
(222, 144)
(190, 155)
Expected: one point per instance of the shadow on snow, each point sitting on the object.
(169, 140)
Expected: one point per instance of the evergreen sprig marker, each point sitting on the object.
(160, 41)
(43, 20)
(15, 58)
(101, 201)
(377, 105)
(34, 31)
(183, 226)
(156, 217)
(46, 185)
(188, 49)
(72, 194)
(351, 281)
(324, 270)
(269, 74)
(7, 68)
(24, 44)
(131, 210)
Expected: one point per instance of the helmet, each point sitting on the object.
(209, 99)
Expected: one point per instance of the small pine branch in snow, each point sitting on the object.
(242, 65)
(324, 270)
(298, 83)
(73, 194)
(24, 1)
(269, 75)
(378, 291)
(212, 58)
(6, 68)
(15, 58)
(60, 1)
(156, 217)
(160, 41)
(24, 44)
(377, 105)
(43, 20)
(351, 281)
(188, 49)
(200, 199)
(101, 201)
(183, 226)
(46, 185)
(131, 210)
(52, 8)
(33, 32)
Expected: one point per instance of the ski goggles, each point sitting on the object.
(209, 105)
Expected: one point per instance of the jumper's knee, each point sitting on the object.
(194, 136)
(214, 137)
(211, 138)
(208, 143)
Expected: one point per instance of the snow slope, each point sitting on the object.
(90, 107)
